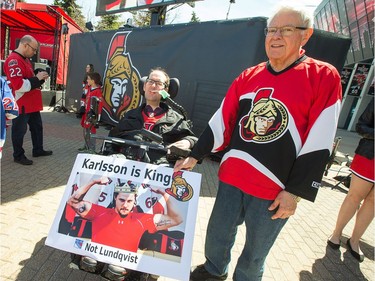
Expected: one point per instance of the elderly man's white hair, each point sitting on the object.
(306, 19)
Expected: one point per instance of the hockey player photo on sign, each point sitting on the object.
(128, 213)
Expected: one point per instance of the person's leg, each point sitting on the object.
(261, 233)
(226, 215)
(364, 217)
(92, 141)
(36, 129)
(357, 192)
(19, 128)
(86, 134)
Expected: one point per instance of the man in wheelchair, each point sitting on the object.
(160, 115)
(156, 116)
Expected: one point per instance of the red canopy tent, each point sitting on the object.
(46, 24)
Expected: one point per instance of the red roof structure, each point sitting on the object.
(45, 23)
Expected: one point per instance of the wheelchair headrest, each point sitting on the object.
(174, 85)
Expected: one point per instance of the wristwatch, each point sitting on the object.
(295, 197)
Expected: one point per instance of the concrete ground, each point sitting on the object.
(30, 196)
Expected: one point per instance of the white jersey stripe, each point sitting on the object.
(217, 126)
(253, 162)
(26, 87)
(321, 134)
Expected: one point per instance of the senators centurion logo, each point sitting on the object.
(121, 80)
(180, 188)
(266, 121)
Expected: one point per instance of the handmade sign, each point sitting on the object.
(127, 213)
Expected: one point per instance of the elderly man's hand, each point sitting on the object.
(286, 203)
(185, 164)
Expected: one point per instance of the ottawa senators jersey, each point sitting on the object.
(19, 70)
(85, 121)
(277, 128)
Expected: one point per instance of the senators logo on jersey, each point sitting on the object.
(266, 121)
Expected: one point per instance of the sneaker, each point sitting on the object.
(88, 264)
(23, 161)
(115, 273)
(201, 274)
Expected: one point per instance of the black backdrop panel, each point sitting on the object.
(329, 47)
(206, 57)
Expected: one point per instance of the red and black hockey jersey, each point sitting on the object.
(277, 128)
(23, 82)
(92, 92)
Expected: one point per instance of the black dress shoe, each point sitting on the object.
(23, 161)
(333, 245)
(357, 256)
(42, 153)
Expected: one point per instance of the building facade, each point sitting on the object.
(355, 19)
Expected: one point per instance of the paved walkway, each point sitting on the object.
(30, 196)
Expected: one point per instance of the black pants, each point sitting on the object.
(19, 129)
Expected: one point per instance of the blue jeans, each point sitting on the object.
(19, 129)
(232, 208)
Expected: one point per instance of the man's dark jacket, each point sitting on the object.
(172, 127)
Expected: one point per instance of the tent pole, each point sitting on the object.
(56, 50)
(62, 108)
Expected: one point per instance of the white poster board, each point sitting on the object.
(164, 252)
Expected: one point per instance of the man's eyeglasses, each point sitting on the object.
(34, 50)
(157, 83)
(284, 30)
